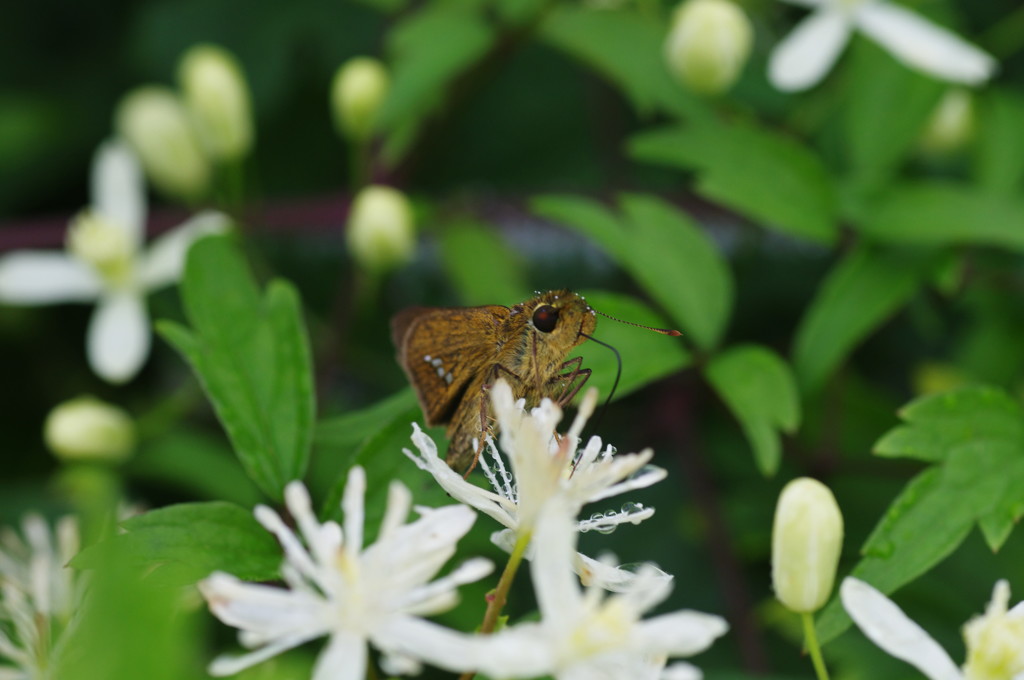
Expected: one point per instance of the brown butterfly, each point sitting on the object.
(453, 355)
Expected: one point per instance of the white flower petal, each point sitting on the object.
(228, 664)
(427, 641)
(554, 550)
(923, 45)
(344, 658)
(119, 337)
(681, 633)
(118, 190)
(804, 56)
(487, 502)
(616, 579)
(681, 671)
(33, 277)
(164, 261)
(887, 626)
(523, 651)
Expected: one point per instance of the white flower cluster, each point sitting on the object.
(376, 594)
(38, 593)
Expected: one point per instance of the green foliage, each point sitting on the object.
(975, 439)
(663, 249)
(252, 356)
(481, 265)
(188, 541)
(857, 296)
(625, 48)
(941, 213)
(759, 389)
(424, 66)
(763, 175)
(646, 356)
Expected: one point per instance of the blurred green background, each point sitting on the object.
(538, 100)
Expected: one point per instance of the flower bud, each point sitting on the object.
(217, 98)
(104, 246)
(380, 231)
(708, 44)
(154, 122)
(951, 124)
(806, 541)
(89, 429)
(359, 87)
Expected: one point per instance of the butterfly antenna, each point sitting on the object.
(618, 374)
(663, 331)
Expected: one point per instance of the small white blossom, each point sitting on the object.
(105, 262)
(593, 635)
(995, 640)
(803, 57)
(353, 594)
(544, 464)
(37, 596)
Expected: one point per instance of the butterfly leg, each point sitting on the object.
(572, 379)
(493, 375)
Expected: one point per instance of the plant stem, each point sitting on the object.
(500, 593)
(811, 643)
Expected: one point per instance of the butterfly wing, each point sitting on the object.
(443, 350)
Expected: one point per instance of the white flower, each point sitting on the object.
(995, 641)
(37, 595)
(803, 58)
(105, 262)
(355, 595)
(545, 464)
(593, 635)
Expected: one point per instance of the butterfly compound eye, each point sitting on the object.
(545, 318)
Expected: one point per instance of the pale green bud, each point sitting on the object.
(104, 246)
(154, 122)
(951, 124)
(708, 45)
(216, 95)
(807, 538)
(359, 87)
(89, 429)
(380, 231)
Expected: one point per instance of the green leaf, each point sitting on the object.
(773, 180)
(195, 462)
(625, 47)
(878, 140)
(127, 624)
(665, 251)
(189, 541)
(975, 436)
(382, 458)
(857, 296)
(939, 214)
(646, 356)
(998, 163)
(252, 357)
(428, 51)
(483, 268)
(759, 389)
(356, 426)
(586, 216)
